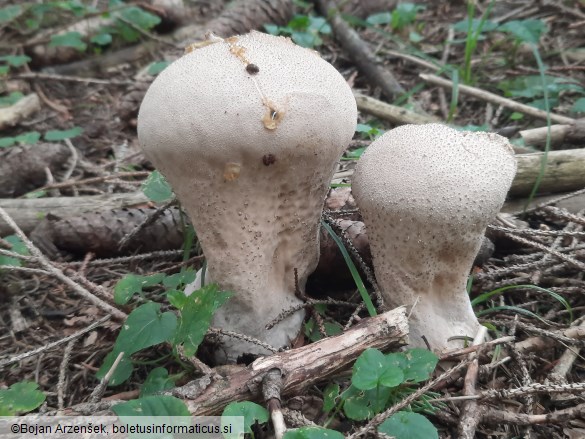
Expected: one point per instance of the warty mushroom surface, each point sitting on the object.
(427, 194)
(248, 131)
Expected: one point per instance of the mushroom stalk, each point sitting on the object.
(427, 194)
(248, 131)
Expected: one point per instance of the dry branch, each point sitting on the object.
(496, 99)
(300, 367)
(359, 51)
(392, 113)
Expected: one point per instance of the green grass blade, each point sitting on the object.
(352, 268)
(513, 309)
(482, 298)
(544, 159)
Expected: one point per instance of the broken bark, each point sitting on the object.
(300, 368)
(24, 168)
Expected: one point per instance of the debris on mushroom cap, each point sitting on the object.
(248, 131)
(427, 193)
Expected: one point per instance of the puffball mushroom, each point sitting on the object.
(248, 131)
(427, 194)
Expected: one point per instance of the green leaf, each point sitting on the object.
(11, 99)
(526, 31)
(140, 18)
(311, 432)
(272, 29)
(69, 39)
(122, 372)
(195, 316)
(420, 365)
(131, 284)
(20, 398)
(56, 135)
(15, 60)
(363, 404)
(176, 280)
(463, 25)
(157, 380)
(408, 425)
(156, 67)
(156, 188)
(299, 22)
(405, 14)
(380, 18)
(28, 138)
(102, 39)
(152, 406)
(306, 39)
(251, 412)
(330, 394)
(9, 13)
(372, 369)
(17, 247)
(146, 326)
(5, 142)
(578, 106)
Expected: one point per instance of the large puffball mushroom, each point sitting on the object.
(248, 131)
(427, 194)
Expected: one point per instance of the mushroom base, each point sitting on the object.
(442, 328)
(248, 320)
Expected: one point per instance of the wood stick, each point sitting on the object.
(496, 99)
(301, 368)
(570, 133)
(392, 113)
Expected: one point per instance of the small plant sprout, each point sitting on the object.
(248, 131)
(427, 194)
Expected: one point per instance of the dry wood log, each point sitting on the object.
(101, 232)
(28, 213)
(24, 168)
(565, 171)
(301, 367)
(565, 133)
(25, 107)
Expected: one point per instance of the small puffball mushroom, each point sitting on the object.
(248, 131)
(427, 194)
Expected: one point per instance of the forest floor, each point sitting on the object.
(72, 177)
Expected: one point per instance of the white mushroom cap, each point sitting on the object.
(248, 131)
(427, 193)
